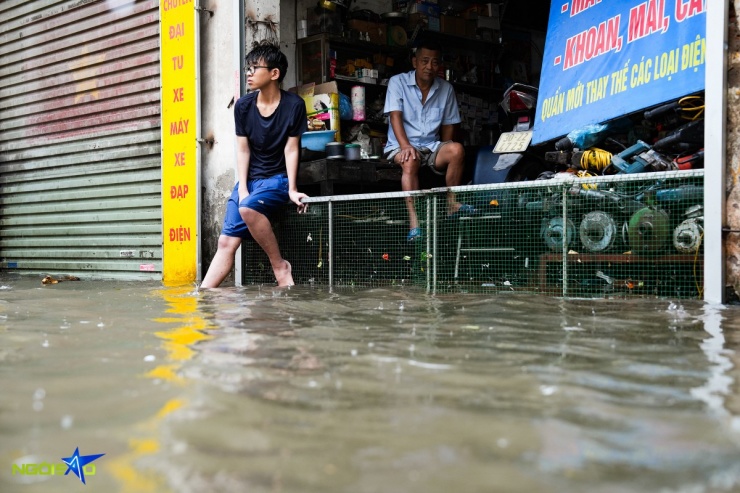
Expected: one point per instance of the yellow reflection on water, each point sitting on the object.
(177, 341)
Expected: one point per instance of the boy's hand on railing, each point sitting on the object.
(295, 197)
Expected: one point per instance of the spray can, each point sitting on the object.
(358, 103)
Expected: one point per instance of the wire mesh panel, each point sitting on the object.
(627, 236)
(370, 246)
(304, 241)
(351, 240)
(295, 234)
(498, 246)
(620, 235)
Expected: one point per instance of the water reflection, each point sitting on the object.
(266, 389)
(717, 386)
(430, 391)
(186, 328)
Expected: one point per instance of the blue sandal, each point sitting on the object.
(413, 234)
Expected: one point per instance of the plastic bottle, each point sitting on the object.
(593, 134)
(358, 103)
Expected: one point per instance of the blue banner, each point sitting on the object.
(607, 58)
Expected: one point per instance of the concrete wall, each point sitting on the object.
(222, 35)
(732, 243)
(288, 24)
(218, 86)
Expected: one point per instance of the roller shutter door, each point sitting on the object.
(80, 174)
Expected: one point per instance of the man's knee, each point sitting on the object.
(410, 166)
(452, 154)
(457, 151)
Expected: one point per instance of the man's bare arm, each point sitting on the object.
(407, 150)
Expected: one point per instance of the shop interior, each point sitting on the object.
(346, 44)
(596, 218)
(346, 50)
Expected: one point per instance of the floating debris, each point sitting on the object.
(53, 280)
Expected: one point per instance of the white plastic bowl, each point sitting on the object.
(317, 139)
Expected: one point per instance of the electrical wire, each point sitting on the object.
(699, 288)
(692, 107)
(595, 159)
(587, 174)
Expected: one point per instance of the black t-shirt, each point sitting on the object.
(268, 137)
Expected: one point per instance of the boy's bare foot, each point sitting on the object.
(284, 274)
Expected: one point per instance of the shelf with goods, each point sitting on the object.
(478, 99)
(348, 62)
(481, 56)
(468, 63)
(322, 57)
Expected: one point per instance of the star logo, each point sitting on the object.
(77, 462)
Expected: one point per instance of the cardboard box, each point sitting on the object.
(452, 25)
(478, 9)
(322, 105)
(432, 23)
(376, 31)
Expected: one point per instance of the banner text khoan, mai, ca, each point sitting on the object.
(606, 59)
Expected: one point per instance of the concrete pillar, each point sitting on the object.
(288, 23)
(267, 19)
(262, 21)
(228, 30)
(220, 87)
(715, 139)
(732, 241)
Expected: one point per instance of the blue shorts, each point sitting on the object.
(265, 196)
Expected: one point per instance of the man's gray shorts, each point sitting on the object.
(427, 156)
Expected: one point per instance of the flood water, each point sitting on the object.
(260, 389)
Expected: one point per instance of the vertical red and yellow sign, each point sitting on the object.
(180, 162)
